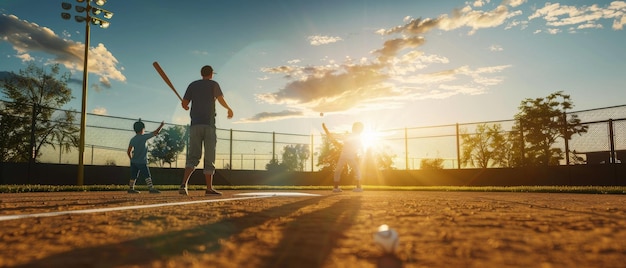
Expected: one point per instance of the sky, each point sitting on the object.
(288, 65)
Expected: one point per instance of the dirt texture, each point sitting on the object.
(436, 229)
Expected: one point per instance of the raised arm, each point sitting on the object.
(330, 136)
(158, 130)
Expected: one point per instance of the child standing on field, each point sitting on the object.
(352, 148)
(138, 154)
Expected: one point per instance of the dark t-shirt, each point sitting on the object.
(202, 94)
(140, 152)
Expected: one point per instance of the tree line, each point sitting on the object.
(539, 124)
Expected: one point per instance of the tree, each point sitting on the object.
(295, 157)
(487, 147)
(33, 119)
(274, 166)
(431, 163)
(167, 145)
(541, 122)
(329, 154)
(512, 149)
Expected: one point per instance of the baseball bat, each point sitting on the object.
(165, 78)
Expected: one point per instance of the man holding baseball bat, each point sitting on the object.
(202, 95)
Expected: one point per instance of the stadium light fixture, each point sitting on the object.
(105, 13)
(86, 18)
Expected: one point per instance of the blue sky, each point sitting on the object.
(390, 64)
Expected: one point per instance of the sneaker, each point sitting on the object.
(212, 193)
(183, 190)
(133, 191)
(357, 190)
(337, 190)
(154, 191)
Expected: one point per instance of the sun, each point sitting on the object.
(370, 139)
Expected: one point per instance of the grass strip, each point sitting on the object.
(514, 189)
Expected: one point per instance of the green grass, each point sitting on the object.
(513, 189)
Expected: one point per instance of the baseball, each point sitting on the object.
(386, 238)
(322, 114)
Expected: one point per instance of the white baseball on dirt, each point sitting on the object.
(386, 238)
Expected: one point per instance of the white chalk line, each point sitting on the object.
(99, 210)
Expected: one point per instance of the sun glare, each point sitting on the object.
(370, 139)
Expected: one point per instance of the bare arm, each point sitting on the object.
(130, 149)
(222, 102)
(156, 132)
(185, 104)
(329, 135)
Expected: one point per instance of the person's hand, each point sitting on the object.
(160, 127)
(230, 113)
(186, 107)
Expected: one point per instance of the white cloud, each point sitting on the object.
(590, 26)
(396, 76)
(515, 3)
(318, 40)
(495, 48)
(618, 23)
(26, 37)
(479, 3)
(25, 57)
(475, 19)
(553, 31)
(99, 111)
(583, 17)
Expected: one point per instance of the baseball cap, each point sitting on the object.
(206, 70)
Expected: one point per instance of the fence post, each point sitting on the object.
(611, 141)
(31, 155)
(406, 149)
(311, 151)
(566, 138)
(60, 152)
(458, 147)
(187, 144)
(230, 154)
(522, 143)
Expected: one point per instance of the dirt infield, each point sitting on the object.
(437, 229)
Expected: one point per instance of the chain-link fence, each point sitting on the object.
(107, 137)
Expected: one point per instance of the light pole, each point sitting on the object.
(87, 19)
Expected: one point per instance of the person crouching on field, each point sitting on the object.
(138, 154)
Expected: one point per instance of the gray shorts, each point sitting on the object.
(202, 136)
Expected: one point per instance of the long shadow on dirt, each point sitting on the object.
(74, 204)
(309, 239)
(144, 251)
